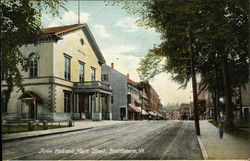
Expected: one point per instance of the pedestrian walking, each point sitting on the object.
(222, 121)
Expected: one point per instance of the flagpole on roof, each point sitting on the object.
(78, 11)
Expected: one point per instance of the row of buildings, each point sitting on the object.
(184, 112)
(206, 105)
(68, 79)
(240, 97)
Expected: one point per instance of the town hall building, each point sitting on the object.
(64, 78)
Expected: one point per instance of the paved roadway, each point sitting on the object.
(156, 140)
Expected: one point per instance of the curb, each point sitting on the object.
(38, 135)
(203, 150)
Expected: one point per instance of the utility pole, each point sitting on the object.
(194, 85)
(78, 11)
(141, 88)
(142, 103)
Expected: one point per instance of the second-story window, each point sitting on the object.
(93, 73)
(129, 98)
(105, 77)
(81, 72)
(33, 64)
(67, 67)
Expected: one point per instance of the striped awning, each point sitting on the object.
(133, 108)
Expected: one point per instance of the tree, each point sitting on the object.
(176, 21)
(217, 28)
(21, 21)
(228, 44)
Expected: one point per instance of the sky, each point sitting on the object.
(121, 42)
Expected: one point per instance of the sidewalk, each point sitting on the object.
(78, 125)
(226, 148)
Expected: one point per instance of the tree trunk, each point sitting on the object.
(216, 95)
(214, 103)
(1, 68)
(194, 85)
(216, 90)
(240, 99)
(227, 95)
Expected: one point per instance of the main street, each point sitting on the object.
(131, 140)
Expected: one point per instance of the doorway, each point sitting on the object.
(83, 106)
(31, 114)
(123, 113)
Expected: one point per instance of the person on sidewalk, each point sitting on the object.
(222, 121)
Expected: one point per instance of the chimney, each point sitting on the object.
(112, 65)
(128, 76)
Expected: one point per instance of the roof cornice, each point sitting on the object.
(58, 36)
(93, 44)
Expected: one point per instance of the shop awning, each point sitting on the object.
(28, 95)
(143, 111)
(134, 108)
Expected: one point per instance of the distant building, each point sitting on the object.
(153, 103)
(134, 102)
(205, 102)
(154, 100)
(167, 116)
(246, 95)
(145, 100)
(245, 92)
(176, 115)
(186, 111)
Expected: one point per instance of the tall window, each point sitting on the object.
(67, 67)
(129, 98)
(93, 70)
(67, 102)
(33, 64)
(112, 99)
(81, 72)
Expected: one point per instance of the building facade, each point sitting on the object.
(118, 83)
(152, 101)
(186, 111)
(245, 94)
(205, 102)
(134, 102)
(64, 78)
(145, 104)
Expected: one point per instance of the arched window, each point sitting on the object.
(33, 64)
